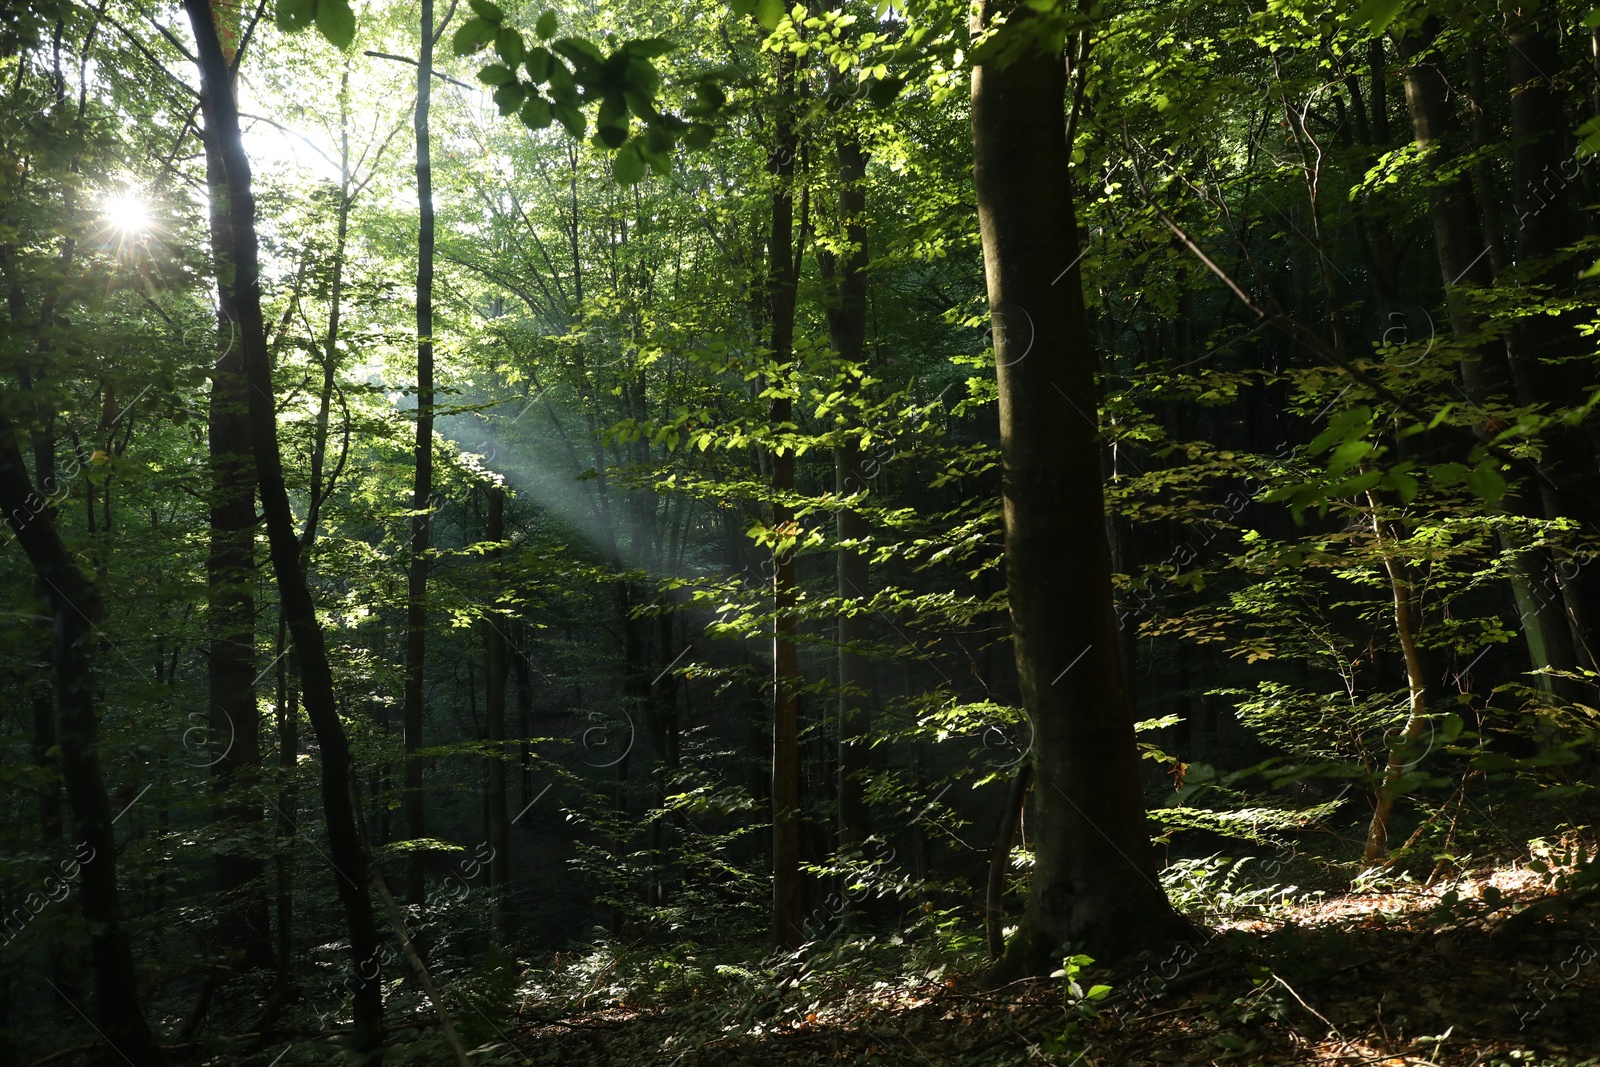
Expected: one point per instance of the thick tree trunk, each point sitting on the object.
(235, 724)
(847, 331)
(316, 675)
(422, 486)
(75, 607)
(1094, 881)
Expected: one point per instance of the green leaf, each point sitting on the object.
(535, 113)
(1486, 482)
(1592, 19)
(883, 93)
(649, 47)
(570, 117)
(472, 36)
(508, 42)
(769, 13)
(336, 22)
(487, 11)
(296, 14)
(1589, 137)
(699, 137)
(628, 168)
(509, 97)
(496, 74)
(546, 26)
(1377, 14)
(538, 64)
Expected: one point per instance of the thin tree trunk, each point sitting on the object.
(422, 487)
(1488, 375)
(994, 899)
(782, 291)
(1094, 880)
(495, 731)
(75, 607)
(847, 332)
(1404, 754)
(344, 846)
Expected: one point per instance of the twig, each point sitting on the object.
(407, 59)
(1308, 1007)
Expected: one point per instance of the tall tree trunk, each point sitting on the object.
(316, 675)
(782, 291)
(422, 487)
(495, 729)
(1548, 349)
(75, 607)
(1486, 370)
(1094, 880)
(847, 332)
(234, 721)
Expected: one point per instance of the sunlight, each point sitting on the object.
(127, 212)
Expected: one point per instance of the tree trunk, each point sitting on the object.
(994, 898)
(782, 286)
(1487, 372)
(847, 332)
(1094, 880)
(1548, 350)
(75, 607)
(422, 487)
(495, 731)
(230, 584)
(1405, 754)
(316, 675)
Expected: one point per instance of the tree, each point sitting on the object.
(1093, 880)
(222, 116)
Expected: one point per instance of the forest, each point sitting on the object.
(989, 533)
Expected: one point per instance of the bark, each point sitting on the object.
(75, 608)
(782, 286)
(422, 486)
(1405, 754)
(495, 731)
(230, 584)
(1548, 349)
(316, 675)
(994, 901)
(1094, 878)
(847, 331)
(1486, 369)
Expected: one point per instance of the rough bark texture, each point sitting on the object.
(1094, 880)
(316, 675)
(75, 606)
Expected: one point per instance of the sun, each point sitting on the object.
(127, 212)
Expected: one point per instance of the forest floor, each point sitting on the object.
(1440, 975)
